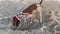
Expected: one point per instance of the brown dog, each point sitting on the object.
(29, 10)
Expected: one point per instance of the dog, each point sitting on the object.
(27, 15)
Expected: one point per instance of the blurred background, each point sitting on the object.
(10, 8)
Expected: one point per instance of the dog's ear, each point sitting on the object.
(15, 21)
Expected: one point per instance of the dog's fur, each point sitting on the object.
(29, 10)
